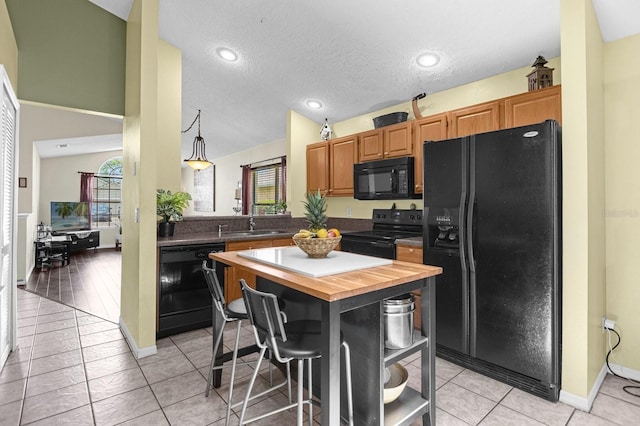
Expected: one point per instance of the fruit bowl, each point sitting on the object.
(317, 247)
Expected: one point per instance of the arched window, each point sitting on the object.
(107, 194)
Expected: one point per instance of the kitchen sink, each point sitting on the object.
(255, 232)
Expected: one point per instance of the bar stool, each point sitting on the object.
(234, 311)
(295, 340)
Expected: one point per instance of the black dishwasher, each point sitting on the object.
(184, 302)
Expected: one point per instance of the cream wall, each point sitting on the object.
(169, 105)
(228, 173)
(141, 161)
(622, 213)
(8, 46)
(583, 184)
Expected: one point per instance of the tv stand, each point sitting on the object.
(81, 240)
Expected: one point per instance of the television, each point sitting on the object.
(69, 216)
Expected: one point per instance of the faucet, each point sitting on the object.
(220, 229)
(252, 224)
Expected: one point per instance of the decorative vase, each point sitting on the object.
(165, 229)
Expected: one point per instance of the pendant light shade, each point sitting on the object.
(198, 159)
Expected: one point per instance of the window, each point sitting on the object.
(107, 194)
(268, 184)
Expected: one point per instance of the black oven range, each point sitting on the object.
(388, 226)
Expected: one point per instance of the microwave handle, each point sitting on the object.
(394, 181)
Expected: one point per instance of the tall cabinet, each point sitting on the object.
(8, 216)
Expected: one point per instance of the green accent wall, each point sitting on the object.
(71, 53)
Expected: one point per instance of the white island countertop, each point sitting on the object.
(295, 260)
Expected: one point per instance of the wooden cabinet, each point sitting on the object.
(414, 255)
(432, 128)
(232, 290)
(330, 166)
(386, 142)
(533, 107)
(343, 153)
(232, 275)
(479, 118)
(318, 167)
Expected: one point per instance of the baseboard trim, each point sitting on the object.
(137, 352)
(626, 372)
(580, 402)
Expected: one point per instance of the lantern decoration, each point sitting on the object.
(541, 76)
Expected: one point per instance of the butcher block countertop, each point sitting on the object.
(333, 287)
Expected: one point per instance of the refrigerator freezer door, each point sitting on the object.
(445, 186)
(515, 247)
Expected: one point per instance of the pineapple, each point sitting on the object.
(315, 207)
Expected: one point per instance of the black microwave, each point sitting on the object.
(390, 179)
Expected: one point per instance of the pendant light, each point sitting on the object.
(198, 159)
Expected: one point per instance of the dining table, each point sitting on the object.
(346, 292)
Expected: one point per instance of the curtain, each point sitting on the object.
(246, 188)
(86, 189)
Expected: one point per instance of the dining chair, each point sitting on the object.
(296, 340)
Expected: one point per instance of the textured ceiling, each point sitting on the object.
(354, 56)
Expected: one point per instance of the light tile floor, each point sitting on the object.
(75, 368)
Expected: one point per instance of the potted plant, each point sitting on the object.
(281, 207)
(169, 208)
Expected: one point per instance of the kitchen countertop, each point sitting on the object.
(413, 241)
(338, 286)
(213, 237)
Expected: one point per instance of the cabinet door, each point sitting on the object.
(232, 289)
(533, 107)
(371, 146)
(409, 254)
(282, 242)
(397, 140)
(475, 119)
(342, 155)
(432, 128)
(318, 167)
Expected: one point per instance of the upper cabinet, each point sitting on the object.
(475, 119)
(318, 167)
(330, 166)
(330, 163)
(386, 142)
(343, 154)
(432, 128)
(533, 107)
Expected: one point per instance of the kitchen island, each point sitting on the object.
(352, 303)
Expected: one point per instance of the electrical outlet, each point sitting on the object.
(348, 212)
(607, 324)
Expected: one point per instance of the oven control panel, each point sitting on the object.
(397, 217)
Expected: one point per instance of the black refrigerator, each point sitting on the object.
(492, 220)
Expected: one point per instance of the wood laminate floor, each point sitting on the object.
(90, 283)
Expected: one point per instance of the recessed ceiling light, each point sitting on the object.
(227, 54)
(428, 59)
(314, 104)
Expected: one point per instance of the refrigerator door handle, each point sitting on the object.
(469, 236)
(462, 236)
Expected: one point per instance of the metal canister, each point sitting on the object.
(398, 321)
